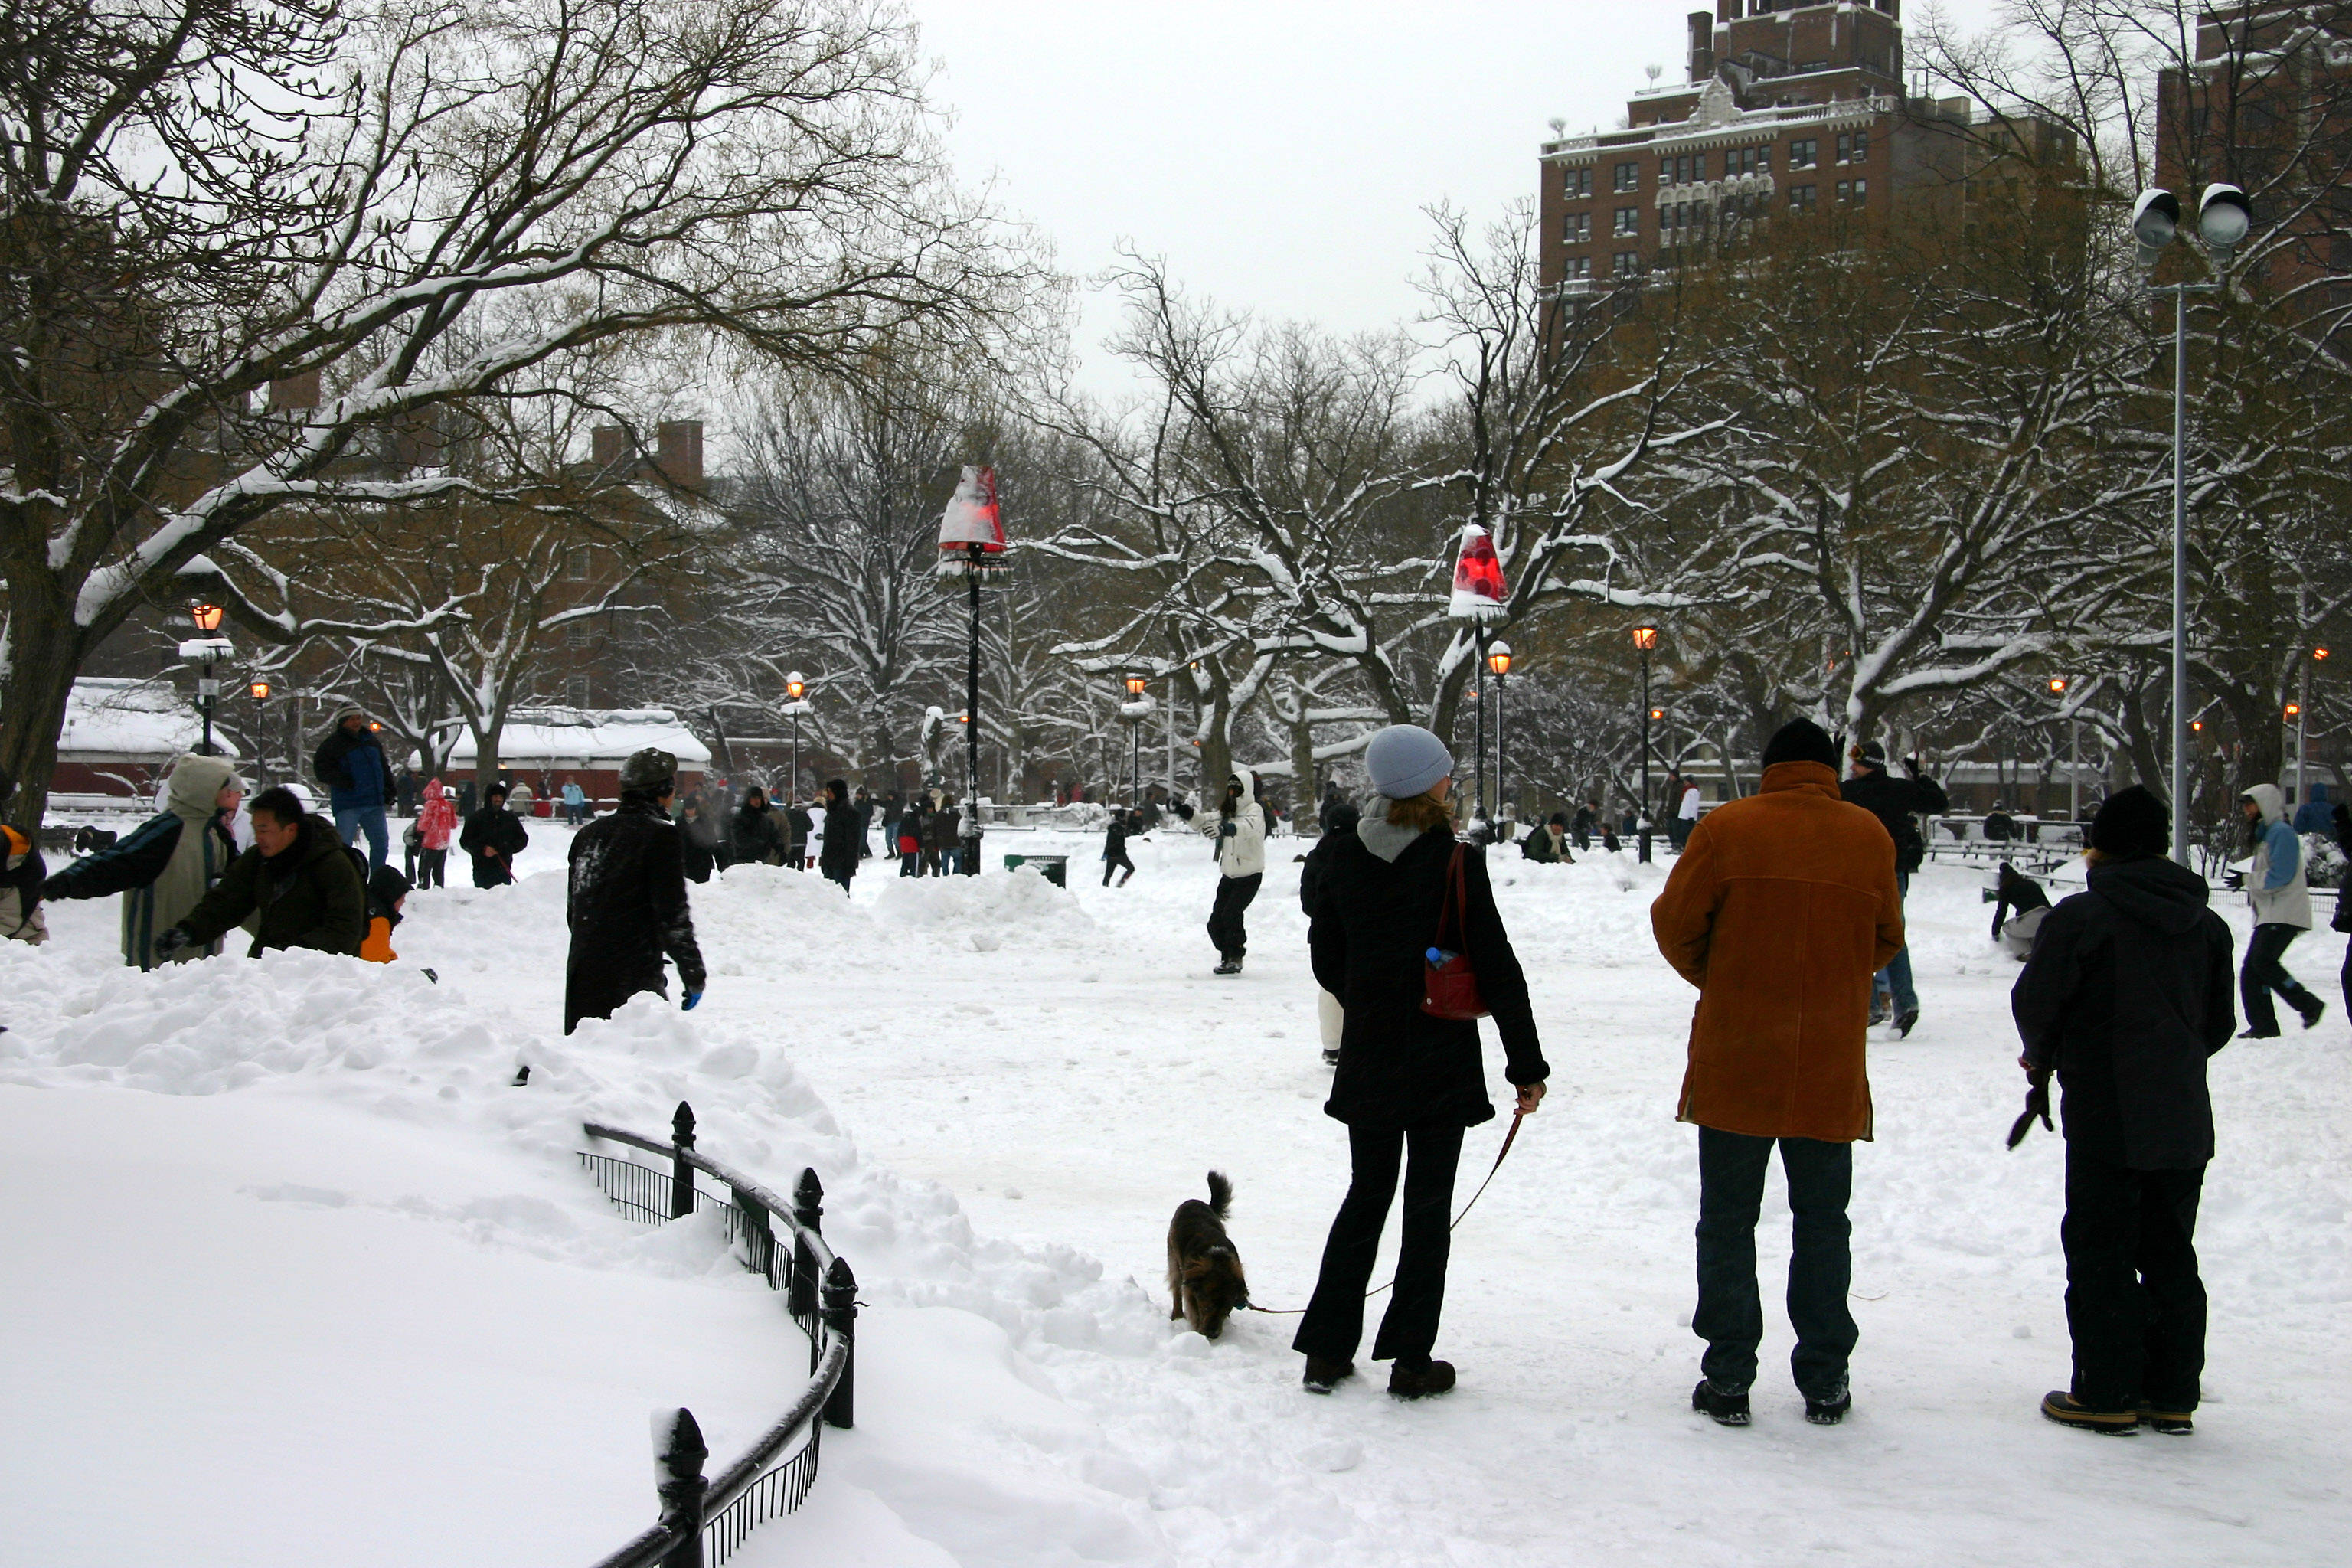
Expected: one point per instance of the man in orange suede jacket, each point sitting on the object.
(1781, 908)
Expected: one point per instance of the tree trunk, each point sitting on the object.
(486, 751)
(1303, 803)
(45, 654)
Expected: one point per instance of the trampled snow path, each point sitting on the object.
(1054, 1072)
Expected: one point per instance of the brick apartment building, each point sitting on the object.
(1789, 107)
(2267, 105)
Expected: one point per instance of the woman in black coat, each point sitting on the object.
(1405, 1079)
(697, 840)
(494, 836)
(844, 835)
(2343, 920)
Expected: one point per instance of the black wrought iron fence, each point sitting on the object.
(702, 1521)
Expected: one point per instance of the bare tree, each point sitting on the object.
(216, 205)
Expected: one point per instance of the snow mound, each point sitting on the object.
(985, 907)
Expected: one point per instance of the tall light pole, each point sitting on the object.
(1135, 710)
(1477, 597)
(205, 649)
(2223, 219)
(2302, 713)
(2073, 752)
(972, 546)
(795, 704)
(1498, 661)
(1645, 639)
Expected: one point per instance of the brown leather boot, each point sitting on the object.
(1420, 1381)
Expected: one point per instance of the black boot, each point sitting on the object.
(1323, 1375)
(2063, 1408)
(1420, 1381)
(1829, 1410)
(1727, 1409)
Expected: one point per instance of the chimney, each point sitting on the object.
(1728, 10)
(300, 391)
(679, 445)
(1701, 46)
(608, 446)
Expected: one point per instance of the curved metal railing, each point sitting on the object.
(702, 1521)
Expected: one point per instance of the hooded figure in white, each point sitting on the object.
(1239, 829)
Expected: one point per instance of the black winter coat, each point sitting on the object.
(2126, 992)
(942, 829)
(1895, 802)
(1339, 819)
(1370, 924)
(757, 835)
(311, 895)
(493, 828)
(844, 841)
(626, 906)
(697, 843)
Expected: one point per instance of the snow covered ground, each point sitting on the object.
(290, 1272)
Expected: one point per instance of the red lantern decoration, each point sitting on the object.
(1478, 578)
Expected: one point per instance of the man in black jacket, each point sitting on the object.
(494, 836)
(626, 905)
(1895, 803)
(2126, 995)
(298, 883)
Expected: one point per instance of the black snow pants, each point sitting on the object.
(432, 868)
(1225, 926)
(2134, 1301)
(1112, 863)
(1334, 1323)
(2265, 973)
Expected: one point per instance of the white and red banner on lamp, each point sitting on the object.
(1477, 579)
(972, 529)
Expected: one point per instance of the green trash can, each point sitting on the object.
(1055, 869)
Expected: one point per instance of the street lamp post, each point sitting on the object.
(972, 546)
(2073, 753)
(1135, 710)
(2223, 219)
(1645, 639)
(2302, 709)
(1498, 661)
(210, 647)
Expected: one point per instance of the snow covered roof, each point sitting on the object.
(114, 721)
(589, 738)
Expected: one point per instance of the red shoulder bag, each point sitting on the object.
(1449, 987)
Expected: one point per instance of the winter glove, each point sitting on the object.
(1227, 831)
(2037, 1104)
(173, 940)
(691, 998)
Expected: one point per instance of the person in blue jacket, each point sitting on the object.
(350, 762)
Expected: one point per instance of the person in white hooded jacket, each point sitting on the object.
(2281, 898)
(1239, 829)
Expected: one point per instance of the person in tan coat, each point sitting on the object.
(1781, 908)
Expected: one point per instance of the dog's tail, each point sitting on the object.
(1220, 1195)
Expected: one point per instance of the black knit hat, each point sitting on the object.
(2131, 822)
(1801, 741)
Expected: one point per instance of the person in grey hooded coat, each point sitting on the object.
(166, 867)
(2281, 899)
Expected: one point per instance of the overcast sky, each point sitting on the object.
(1279, 153)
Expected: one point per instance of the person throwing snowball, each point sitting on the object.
(626, 904)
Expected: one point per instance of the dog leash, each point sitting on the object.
(1518, 1116)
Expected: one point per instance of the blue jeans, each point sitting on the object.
(351, 821)
(1897, 975)
(1730, 1316)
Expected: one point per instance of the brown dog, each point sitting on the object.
(1204, 1272)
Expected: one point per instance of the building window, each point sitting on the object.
(1803, 153)
(1579, 271)
(1743, 161)
(1579, 228)
(1852, 191)
(1629, 176)
(577, 690)
(1628, 263)
(1800, 198)
(1629, 221)
(1853, 147)
(1576, 182)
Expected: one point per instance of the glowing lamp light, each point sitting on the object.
(373, 724)
(1657, 714)
(795, 686)
(1499, 658)
(206, 616)
(2197, 725)
(2295, 710)
(2319, 653)
(1135, 685)
(260, 690)
(1646, 636)
(2058, 683)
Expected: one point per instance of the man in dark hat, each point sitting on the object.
(2125, 995)
(626, 904)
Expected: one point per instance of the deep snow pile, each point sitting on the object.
(1006, 1086)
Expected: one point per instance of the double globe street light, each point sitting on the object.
(2223, 220)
